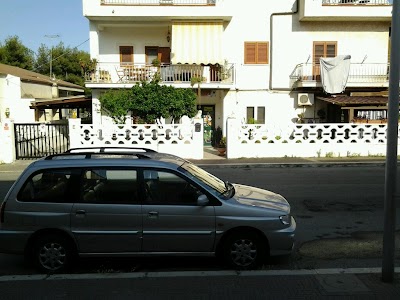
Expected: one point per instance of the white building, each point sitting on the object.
(259, 58)
(28, 97)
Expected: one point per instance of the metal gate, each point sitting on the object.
(38, 140)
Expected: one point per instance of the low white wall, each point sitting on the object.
(305, 140)
(183, 140)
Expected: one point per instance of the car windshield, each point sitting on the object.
(198, 174)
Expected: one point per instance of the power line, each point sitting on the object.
(66, 52)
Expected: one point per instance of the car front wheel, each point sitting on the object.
(52, 254)
(244, 250)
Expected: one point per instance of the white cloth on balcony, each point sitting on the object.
(334, 73)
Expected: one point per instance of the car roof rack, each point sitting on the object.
(107, 151)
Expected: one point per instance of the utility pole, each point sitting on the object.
(51, 36)
(389, 230)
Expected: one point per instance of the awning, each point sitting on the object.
(355, 100)
(67, 102)
(197, 42)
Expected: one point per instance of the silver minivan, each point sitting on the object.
(113, 203)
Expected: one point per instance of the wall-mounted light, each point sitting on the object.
(7, 112)
(168, 36)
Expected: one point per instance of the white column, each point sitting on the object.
(96, 108)
(74, 133)
(7, 141)
(232, 140)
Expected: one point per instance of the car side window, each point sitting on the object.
(167, 188)
(47, 186)
(109, 186)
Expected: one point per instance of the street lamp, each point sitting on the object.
(51, 36)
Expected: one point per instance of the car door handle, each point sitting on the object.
(80, 212)
(152, 214)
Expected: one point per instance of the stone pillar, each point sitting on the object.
(74, 133)
(198, 140)
(232, 138)
(7, 141)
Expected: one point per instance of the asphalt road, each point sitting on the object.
(339, 213)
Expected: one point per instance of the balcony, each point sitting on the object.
(345, 10)
(156, 10)
(158, 2)
(179, 75)
(360, 75)
(356, 2)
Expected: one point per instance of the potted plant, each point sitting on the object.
(156, 62)
(221, 146)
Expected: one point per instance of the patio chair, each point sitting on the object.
(121, 74)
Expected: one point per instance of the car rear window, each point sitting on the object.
(48, 186)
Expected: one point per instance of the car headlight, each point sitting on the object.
(285, 219)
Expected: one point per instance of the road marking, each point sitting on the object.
(304, 272)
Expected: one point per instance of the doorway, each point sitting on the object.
(208, 115)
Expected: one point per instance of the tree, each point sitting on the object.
(66, 62)
(198, 80)
(14, 53)
(117, 104)
(149, 101)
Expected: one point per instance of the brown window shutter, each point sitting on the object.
(250, 53)
(330, 49)
(126, 54)
(262, 53)
(319, 51)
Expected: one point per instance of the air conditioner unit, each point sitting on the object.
(305, 99)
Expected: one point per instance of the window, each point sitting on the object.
(162, 53)
(109, 186)
(260, 115)
(256, 53)
(322, 49)
(255, 115)
(126, 55)
(169, 189)
(151, 54)
(48, 186)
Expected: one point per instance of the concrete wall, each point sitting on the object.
(305, 140)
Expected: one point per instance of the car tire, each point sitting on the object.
(52, 254)
(244, 250)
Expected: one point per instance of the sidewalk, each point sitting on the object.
(212, 157)
(268, 284)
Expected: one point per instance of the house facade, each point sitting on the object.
(258, 60)
(28, 97)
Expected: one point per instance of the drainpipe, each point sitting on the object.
(271, 29)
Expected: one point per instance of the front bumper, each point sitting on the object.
(281, 242)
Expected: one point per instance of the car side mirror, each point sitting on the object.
(202, 200)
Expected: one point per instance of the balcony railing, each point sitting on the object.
(356, 2)
(179, 73)
(158, 2)
(359, 73)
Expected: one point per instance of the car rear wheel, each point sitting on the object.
(52, 253)
(244, 250)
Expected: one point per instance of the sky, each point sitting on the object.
(32, 20)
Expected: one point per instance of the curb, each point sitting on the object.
(286, 165)
(175, 274)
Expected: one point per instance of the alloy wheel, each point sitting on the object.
(243, 252)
